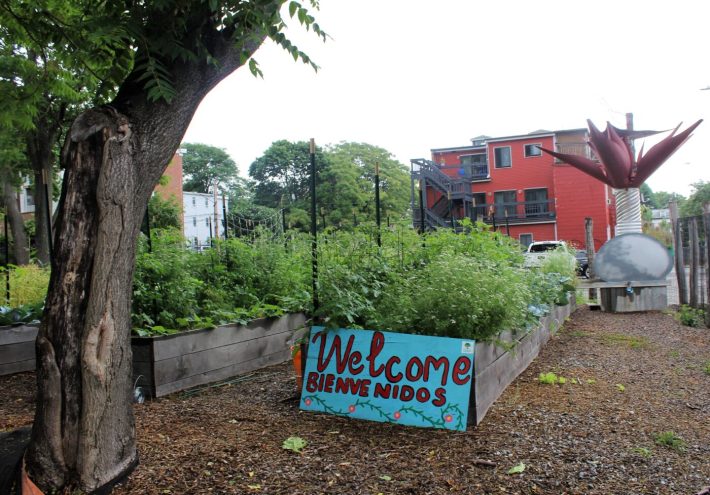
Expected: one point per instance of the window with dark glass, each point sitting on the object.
(502, 157)
(504, 203)
(474, 165)
(526, 239)
(533, 150)
(479, 202)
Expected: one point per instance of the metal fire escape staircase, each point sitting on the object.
(455, 196)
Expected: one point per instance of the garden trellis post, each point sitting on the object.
(314, 226)
(421, 206)
(377, 204)
(224, 215)
(7, 262)
(48, 211)
(678, 250)
(694, 261)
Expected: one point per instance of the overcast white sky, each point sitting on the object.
(411, 75)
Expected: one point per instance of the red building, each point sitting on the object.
(509, 183)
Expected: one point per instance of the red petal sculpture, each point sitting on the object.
(616, 166)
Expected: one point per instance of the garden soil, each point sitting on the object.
(633, 417)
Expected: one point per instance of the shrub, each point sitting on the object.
(459, 296)
(470, 285)
(559, 268)
(164, 289)
(691, 317)
(28, 284)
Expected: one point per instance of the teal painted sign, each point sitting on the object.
(392, 377)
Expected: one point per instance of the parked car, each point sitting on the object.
(582, 263)
(538, 251)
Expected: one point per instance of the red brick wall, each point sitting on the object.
(578, 196)
(173, 188)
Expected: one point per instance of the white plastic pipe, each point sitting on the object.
(628, 211)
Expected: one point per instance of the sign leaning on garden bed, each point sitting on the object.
(389, 377)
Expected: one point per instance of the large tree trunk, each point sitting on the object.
(20, 250)
(83, 434)
(83, 429)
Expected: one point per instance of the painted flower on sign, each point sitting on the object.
(617, 166)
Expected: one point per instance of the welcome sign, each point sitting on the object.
(391, 377)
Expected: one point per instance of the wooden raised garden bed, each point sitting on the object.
(170, 363)
(417, 380)
(17, 349)
(498, 364)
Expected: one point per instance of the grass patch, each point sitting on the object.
(551, 378)
(622, 339)
(644, 452)
(706, 368)
(671, 440)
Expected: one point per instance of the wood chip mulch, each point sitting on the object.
(629, 378)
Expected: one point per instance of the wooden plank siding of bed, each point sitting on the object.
(17, 349)
(189, 359)
(496, 367)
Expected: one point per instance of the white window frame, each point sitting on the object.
(510, 157)
(29, 198)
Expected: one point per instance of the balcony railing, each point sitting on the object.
(581, 149)
(517, 212)
(470, 172)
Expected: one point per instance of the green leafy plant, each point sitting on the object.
(467, 285)
(560, 269)
(296, 444)
(706, 369)
(671, 440)
(517, 469)
(691, 317)
(26, 313)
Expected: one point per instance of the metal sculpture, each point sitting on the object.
(618, 167)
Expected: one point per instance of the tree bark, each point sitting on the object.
(20, 250)
(83, 434)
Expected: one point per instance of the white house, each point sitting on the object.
(199, 217)
(659, 216)
(26, 199)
